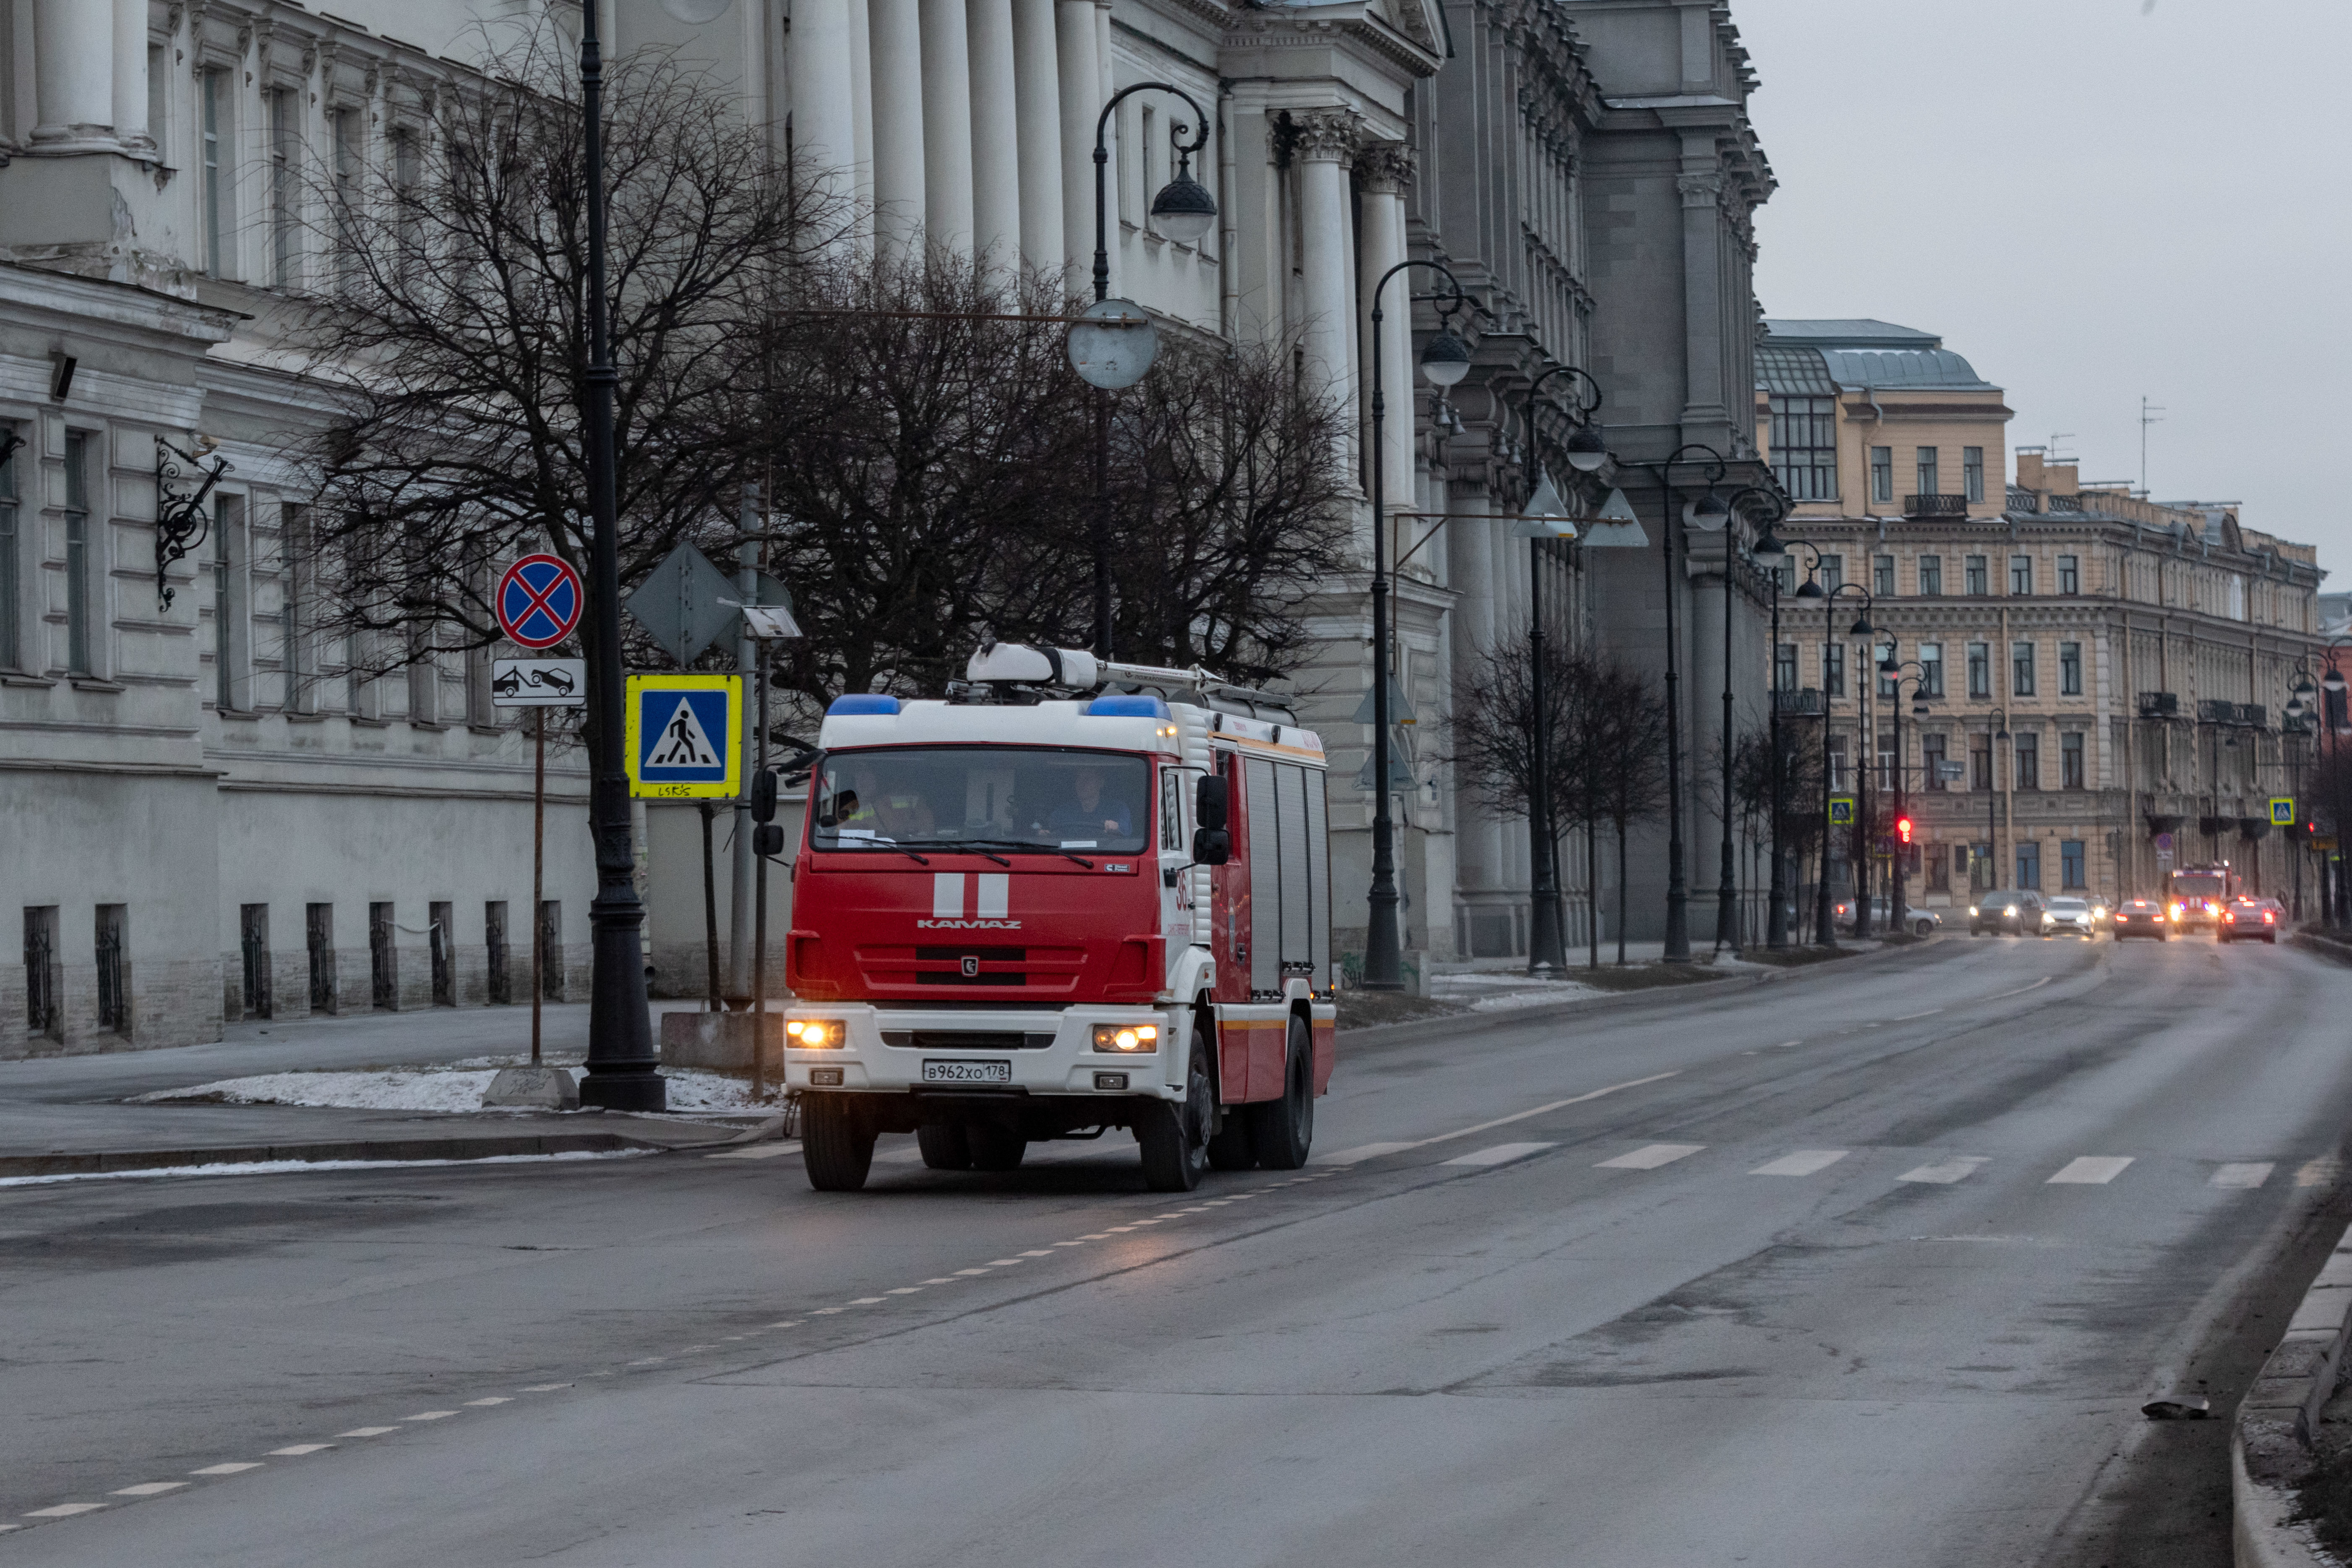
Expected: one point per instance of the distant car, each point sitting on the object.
(2012, 914)
(1918, 922)
(2250, 920)
(2073, 915)
(2142, 917)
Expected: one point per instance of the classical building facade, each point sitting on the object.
(2105, 673)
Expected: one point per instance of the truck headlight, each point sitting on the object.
(815, 1033)
(1127, 1038)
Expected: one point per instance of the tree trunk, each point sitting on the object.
(1620, 893)
(1592, 889)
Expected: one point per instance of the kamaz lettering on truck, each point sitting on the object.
(1021, 915)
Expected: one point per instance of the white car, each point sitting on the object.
(2073, 915)
(1918, 922)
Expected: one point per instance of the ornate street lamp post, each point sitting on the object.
(1705, 515)
(1771, 557)
(1824, 912)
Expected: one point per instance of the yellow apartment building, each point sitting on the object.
(2105, 674)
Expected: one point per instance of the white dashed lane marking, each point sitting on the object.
(2090, 1171)
(65, 1510)
(1803, 1163)
(1362, 1152)
(1651, 1158)
(1500, 1154)
(295, 1449)
(1946, 1172)
(231, 1469)
(367, 1431)
(2251, 1173)
(147, 1489)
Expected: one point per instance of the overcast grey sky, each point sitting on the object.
(2090, 200)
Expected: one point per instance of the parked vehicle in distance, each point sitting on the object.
(2012, 913)
(2064, 914)
(2143, 917)
(1918, 922)
(2250, 920)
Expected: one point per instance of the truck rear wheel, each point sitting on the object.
(836, 1143)
(1174, 1137)
(944, 1147)
(994, 1148)
(1281, 1131)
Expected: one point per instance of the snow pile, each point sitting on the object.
(459, 1087)
(1495, 991)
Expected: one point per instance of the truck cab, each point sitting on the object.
(1020, 916)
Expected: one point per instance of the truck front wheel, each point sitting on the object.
(944, 1147)
(1282, 1129)
(1174, 1136)
(836, 1143)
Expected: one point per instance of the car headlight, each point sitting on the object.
(1127, 1038)
(1973, 912)
(816, 1034)
(2011, 911)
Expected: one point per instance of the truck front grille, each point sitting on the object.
(964, 1040)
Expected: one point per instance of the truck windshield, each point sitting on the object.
(2199, 885)
(1005, 798)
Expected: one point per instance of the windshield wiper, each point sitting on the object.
(1030, 843)
(878, 843)
(962, 844)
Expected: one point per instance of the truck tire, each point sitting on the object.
(944, 1147)
(836, 1143)
(1283, 1130)
(1173, 1136)
(994, 1148)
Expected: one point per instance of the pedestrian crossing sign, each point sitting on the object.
(685, 736)
(1841, 810)
(2282, 812)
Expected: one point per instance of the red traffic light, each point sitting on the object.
(1902, 828)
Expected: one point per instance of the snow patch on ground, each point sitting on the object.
(288, 1167)
(1496, 991)
(459, 1087)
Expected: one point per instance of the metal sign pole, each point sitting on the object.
(537, 872)
(760, 938)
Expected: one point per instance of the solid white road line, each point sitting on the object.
(232, 1469)
(1500, 1154)
(1803, 1163)
(1944, 1172)
(148, 1488)
(2090, 1171)
(1650, 1158)
(2252, 1173)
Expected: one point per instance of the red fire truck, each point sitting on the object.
(1021, 914)
(2198, 894)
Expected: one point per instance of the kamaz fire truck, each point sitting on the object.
(2196, 895)
(1069, 897)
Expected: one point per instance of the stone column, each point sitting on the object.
(861, 113)
(819, 71)
(131, 73)
(1325, 143)
(1385, 167)
(996, 133)
(73, 75)
(1705, 405)
(947, 125)
(1036, 73)
(896, 42)
(1074, 48)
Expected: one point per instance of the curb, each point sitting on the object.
(475, 1148)
(2270, 1446)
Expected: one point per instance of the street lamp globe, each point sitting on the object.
(1184, 210)
(1587, 452)
(1862, 627)
(1446, 359)
(2332, 681)
(1708, 513)
(1809, 589)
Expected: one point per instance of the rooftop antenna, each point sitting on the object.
(2148, 413)
(2054, 457)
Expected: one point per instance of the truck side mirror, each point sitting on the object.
(763, 796)
(1209, 808)
(1212, 845)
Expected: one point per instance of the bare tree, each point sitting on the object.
(1626, 731)
(449, 333)
(1799, 807)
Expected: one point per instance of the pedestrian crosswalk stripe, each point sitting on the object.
(1650, 1158)
(2090, 1171)
(1361, 1153)
(1803, 1163)
(1944, 1172)
(2252, 1174)
(1500, 1154)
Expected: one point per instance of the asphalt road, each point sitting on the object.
(1869, 1266)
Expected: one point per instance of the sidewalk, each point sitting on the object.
(69, 1114)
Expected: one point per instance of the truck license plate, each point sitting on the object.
(967, 1072)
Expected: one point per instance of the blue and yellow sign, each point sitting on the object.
(685, 736)
(1841, 810)
(2282, 814)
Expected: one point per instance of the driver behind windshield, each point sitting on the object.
(1088, 813)
(863, 806)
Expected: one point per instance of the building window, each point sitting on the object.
(344, 127)
(2020, 669)
(296, 652)
(318, 937)
(383, 958)
(2070, 761)
(1927, 460)
(1974, 570)
(1981, 762)
(1931, 670)
(1833, 669)
(2027, 747)
(285, 170)
(2070, 669)
(1784, 668)
(2070, 864)
(2070, 574)
(2028, 865)
(77, 564)
(550, 951)
(1972, 471)
(1979, 669)
(1931, 575)
(158, 117)
(1939, 869)
(1882, 576)
(252, 946)
(1832, 574)
(213, 90)
(1804, 446)
(228, 602)
(407, 175)
(1931, 761)
(1886, 780)
(2020, 575)
(494, 951)
(113, 970)
(12, 584)
(445, 977)
(1880, 658)
(43, 1013)
(1837, 764)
